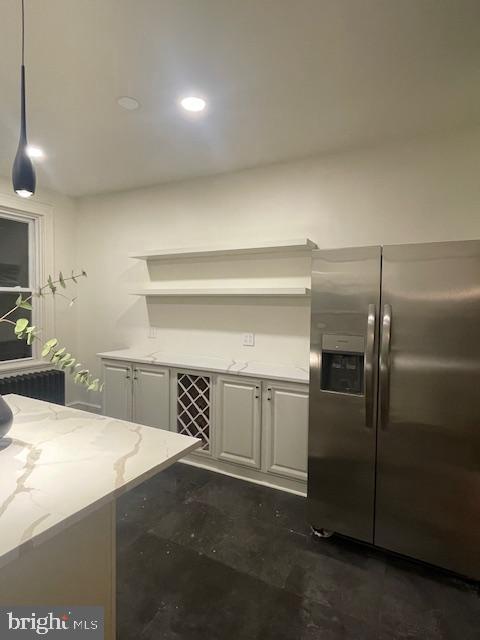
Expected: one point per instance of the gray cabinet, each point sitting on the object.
(239, 421)
(151, 396)
(248, 426)
(285, 418)
(139, 393)
(117, 393)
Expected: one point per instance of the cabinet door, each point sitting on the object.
(117, 393)
(285, 410)
(151, 396)
(238, 421)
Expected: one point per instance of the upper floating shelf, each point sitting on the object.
(272, 292)
(281, 246)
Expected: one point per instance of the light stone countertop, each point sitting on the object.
(59, 464)
(251, 369)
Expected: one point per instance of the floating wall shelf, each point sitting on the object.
(282, 246)
(272, 292)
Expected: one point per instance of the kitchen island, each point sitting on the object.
(61, 471)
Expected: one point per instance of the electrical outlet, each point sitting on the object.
(152, 332)
(248, 339)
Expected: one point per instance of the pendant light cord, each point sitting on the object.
(23, 33)
(23, 172)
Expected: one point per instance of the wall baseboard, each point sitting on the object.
(85, 406)
(297, 487)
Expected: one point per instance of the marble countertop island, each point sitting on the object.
(253, 369)
(57, 465)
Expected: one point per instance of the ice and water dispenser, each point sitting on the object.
(342, 364)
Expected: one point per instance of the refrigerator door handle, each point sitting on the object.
(385, 366)
(369, 369)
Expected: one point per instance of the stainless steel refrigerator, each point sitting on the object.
(394, 434)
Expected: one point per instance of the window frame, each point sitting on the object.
(33, 268)
(39, 216)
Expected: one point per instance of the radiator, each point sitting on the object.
(42, 385)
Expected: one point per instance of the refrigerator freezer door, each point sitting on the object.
(428, 464)
(341, 464)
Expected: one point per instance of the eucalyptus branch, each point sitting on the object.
(51, 284)
(51, 350)
(62, 295)
(2, 319)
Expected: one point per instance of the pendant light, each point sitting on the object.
(23, 173)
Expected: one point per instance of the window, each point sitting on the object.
(18, 261)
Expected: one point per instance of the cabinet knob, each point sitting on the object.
(127, 377)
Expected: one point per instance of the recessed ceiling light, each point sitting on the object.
(193, 103)
(35, 152)
(128, 103)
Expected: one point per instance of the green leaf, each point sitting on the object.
(52, 287)
(21, 325)
(65, 360)
(25, 305)
(55, 357)
(18, 301)
(84, 273)
(48, 346)
(73, 278)
(61, 280)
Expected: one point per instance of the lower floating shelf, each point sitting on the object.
(272, 292)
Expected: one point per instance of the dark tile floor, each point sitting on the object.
(205, 556)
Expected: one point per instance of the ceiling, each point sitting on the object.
(283, 79)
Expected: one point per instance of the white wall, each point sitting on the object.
(423, 190)
(63, 210)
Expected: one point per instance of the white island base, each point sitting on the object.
(75, 567)
(60, 473)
